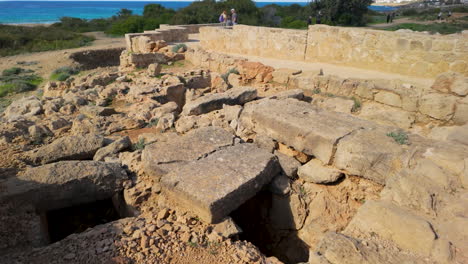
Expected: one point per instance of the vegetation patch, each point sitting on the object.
(177, 47)
(442, 28)
(357, 105)
(20, 39)
(63, 73)
(225, 76)
(400, 137)
(18, 80)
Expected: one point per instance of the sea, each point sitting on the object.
(24, 12)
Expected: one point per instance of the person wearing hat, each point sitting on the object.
(234, 17)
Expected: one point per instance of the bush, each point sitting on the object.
(399, 137)
(20, 39)
(177, 47)
(63, 73)
(442, 28)
(13, 82)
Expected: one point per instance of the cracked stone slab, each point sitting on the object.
(160, 157)
(216, 185)
(303, 126)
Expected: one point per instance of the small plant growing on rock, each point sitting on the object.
(400, 137)
(153, 123)
(317, 91)
(225, 76)
(177, 47)
(357, 105)
(139, 145)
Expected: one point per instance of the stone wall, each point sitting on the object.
(389, 102)
(405, 52)
(91, 59)
(167, 33)
(256, 41)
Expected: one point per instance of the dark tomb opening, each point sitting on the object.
(76, 219)
(254, 217)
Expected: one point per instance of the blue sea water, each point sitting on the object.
(51, 11)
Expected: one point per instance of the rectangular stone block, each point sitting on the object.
(214, 186)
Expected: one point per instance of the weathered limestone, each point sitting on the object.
(113, 148)
(314, 171)
(25, 107)
(95, 111)
(301, 125)
(388, 221)
(157, 158)
(214, 186)
(438, 106)
(68, 148)
(208, 103)
(65, 183)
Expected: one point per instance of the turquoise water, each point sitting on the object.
(51, 11)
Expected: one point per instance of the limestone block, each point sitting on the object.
(113, 148)
(314, 171)
(214, 186)
(208, 103)
(461, 114)
(387, 115)
(408, 231)
(288, 164)
(438, 106)
(388, 98)
(160, 156)
(290, 121)
(336, 104)
(364, 90)
(68, 148)
(357, 154)
(66, 183)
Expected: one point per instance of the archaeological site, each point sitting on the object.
(207, 144)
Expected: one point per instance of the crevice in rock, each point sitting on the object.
(255, 216)
(60, 223)
(335, 145)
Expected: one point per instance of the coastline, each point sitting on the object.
(28, 24)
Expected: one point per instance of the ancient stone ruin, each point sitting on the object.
(328, 145)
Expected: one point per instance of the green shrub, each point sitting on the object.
(356, 105)
(225, 76)
(20, 39)
(176, 48)
(442, 28)
(14, 80)
(63, 73)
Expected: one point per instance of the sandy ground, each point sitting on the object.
(48, 61)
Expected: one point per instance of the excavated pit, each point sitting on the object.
(254, 218)
(61, 223)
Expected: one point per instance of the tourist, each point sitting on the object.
(439, 16)
(318, 20)
(234, 17)
(309, 20)
(223, 18)
(449, 14)
(388, 18)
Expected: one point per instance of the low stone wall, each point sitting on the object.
(91, 59)
(393, 103)
(167, 33)
(408, 53)
(275, 43)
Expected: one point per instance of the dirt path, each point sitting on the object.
(48, 61)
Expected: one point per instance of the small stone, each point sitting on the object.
(314, 171)
(163, 214)
(69, 256)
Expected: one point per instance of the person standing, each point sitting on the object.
(234, 17)
(318, 20)
(309, 20)
(439, 16)
(223, 18)
(388, 18)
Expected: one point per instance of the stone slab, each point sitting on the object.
(298, 124)
(208, 103)
(214, 186)
(158, 158)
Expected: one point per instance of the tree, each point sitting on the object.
(124, 13)
(342, 12)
